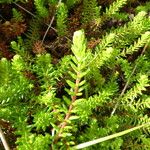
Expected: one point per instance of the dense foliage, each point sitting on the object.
(57, 91)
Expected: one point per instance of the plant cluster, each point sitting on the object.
(57, 91)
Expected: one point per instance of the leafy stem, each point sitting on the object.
(78, 49)
(64, 123)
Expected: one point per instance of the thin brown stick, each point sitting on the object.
(24, 9)
(3, 139)
(50, 24)
(127, 83)
(32, 14)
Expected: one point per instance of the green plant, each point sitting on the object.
(146, 7)
(17, 16)
(42, 10)
(61, 19)
(91, 12)
(71, 3)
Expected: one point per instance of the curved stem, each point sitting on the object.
(64, 123)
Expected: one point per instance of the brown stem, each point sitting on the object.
(73, 98)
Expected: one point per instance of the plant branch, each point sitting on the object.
(64, 123)
(127, 83)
